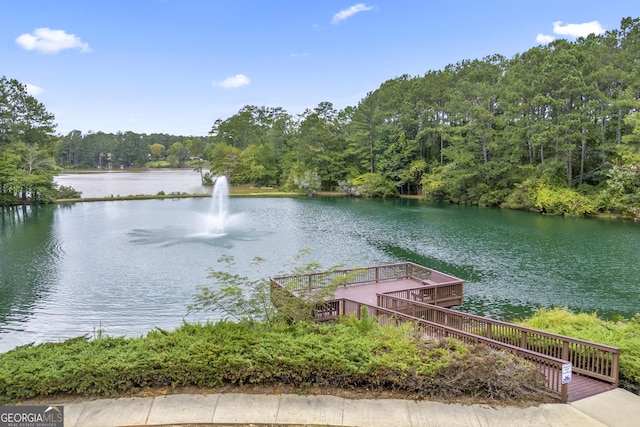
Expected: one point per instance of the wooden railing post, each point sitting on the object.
(615, 367)
(523, 340)
(565, 350)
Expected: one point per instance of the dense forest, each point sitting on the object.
(555, 129)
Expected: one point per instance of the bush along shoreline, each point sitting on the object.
(349, 355)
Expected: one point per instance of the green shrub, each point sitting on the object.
(373, 185)
(624, 334)
(434, 186)
(563, 201)
(64, 192)
(158, 164)
(299, 355)
(239, 298)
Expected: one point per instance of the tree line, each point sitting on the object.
(125, 150)
(554, 129)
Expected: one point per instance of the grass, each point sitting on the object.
(346, 355)
(158, 164)
(235, 191)
(246, 191)
(110, 198)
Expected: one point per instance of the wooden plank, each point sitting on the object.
(366, 293)
(581, 387)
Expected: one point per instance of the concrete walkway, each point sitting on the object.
(614, 408)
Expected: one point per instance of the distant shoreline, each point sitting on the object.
(235, 192)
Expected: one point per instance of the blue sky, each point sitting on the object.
(175, 66)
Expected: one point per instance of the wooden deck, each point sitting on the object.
(362, 284)
(424, 291)
(407, 292)
(582, 387)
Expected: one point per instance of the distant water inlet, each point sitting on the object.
(123, 183)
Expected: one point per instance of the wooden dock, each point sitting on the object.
(407, 292)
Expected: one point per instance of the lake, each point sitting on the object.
(122, 183)
(126, 267)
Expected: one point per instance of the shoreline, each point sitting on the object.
(234, 192)
(270, 192)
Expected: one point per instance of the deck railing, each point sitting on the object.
(549, 366)
(444, 293)
(356, 276)
(587, 358)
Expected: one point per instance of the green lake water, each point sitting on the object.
(128, 267)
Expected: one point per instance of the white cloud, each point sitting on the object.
(578, 30)
(544, 39)
(47, 40)
(233, 82)
(299, 55)
(348, 13)
(34, 90)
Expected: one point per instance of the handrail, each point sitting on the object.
(354, 276)
(550, 366)
(587, 358)
(343, 277)
(436, 294)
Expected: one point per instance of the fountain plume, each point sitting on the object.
(217, 227)
(219, 217)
